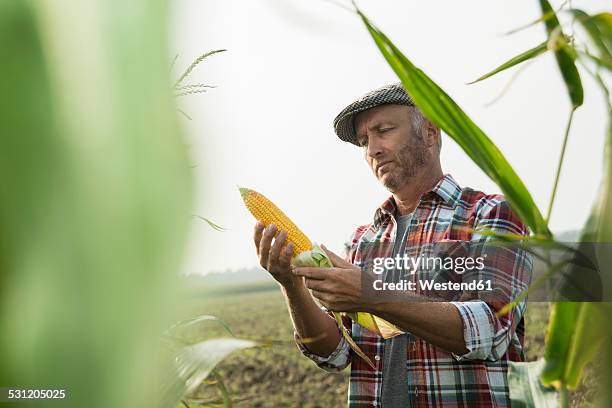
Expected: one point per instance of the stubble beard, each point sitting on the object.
(409, 160)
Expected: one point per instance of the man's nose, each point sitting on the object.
(374, 149)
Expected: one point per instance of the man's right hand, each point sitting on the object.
(275, 257)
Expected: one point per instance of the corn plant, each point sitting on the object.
(95, 204)
(577, 329)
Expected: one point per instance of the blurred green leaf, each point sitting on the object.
(599, 29)
(568, 69)
(601, 62)
(446, 114)
(213, 225)
(589, 334)
(96, 198)
(194, 363)
(558, 342)
(187, 323)
(527, 55)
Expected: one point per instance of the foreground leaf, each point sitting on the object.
(558, 340)
(96, 198)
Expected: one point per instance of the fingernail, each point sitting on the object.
(272, 227)
(324, 247)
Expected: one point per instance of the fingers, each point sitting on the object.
(336, 260)
(319, 285)
(321, 296)
(311, 273)
(277, 247)
(272, 251)
(265, 244)
(286, 255)
(258, 233)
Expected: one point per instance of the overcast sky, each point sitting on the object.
(292, 65)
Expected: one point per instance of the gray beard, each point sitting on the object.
(410, 160)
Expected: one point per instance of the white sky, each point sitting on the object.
(292, 65)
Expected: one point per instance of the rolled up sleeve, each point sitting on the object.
(339, 359)
(487, 333)
(485, 336)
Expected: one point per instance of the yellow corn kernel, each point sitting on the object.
(267, 213)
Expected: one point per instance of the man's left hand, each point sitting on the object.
(338, 288)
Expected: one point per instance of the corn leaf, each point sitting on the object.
(575, 331)
(212, 224)
(540, 19)
(96, 198)
(446, 114)
(558, 338)
(565, 61)
(194, 363)
(522, 57)
(187, 323)
(599, 29)
(588, 336)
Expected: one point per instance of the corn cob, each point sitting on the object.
(267, 213)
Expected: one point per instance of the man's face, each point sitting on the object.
(394, 150)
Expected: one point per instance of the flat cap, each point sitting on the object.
(344, 124)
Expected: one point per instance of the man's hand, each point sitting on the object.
(275, 257)
(337, 288)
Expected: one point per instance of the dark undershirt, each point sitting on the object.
(395, 372)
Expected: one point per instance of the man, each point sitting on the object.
(453, 353)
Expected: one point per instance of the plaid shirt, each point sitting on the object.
(437, 378)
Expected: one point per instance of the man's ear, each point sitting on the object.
(430, 133)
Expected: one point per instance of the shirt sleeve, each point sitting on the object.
(508, 268)
(338, 360)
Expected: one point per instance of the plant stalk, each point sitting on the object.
(559, 166)
(564, 397)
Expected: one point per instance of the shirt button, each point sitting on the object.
(377, 358)
(374, 403)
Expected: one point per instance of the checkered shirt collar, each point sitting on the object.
(446, 189)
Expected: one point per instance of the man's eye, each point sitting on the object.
(383, 130)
